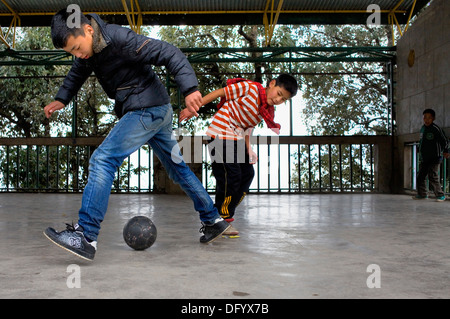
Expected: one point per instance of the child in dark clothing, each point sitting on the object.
(432, 147)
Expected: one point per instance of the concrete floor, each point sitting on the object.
(290, 246)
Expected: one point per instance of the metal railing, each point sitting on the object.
(286, 164)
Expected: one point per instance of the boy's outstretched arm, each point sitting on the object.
(252, 155)
(186, 114)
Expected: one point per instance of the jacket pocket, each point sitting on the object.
(123, 93)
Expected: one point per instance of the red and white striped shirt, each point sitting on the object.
(239, 112)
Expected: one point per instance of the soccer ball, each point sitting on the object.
(139, 233)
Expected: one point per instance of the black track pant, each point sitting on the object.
(430, 169)
(233, 174)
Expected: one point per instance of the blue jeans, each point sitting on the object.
(136, 128)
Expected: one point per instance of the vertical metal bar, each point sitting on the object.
(47, 158)
(139, 170)
(391, 98)
(413, 167)
(205, 164)
(27, 184)
(291, 112)
(118, 180)
(38, 149)
(67, 167)
(18, 167)
(77, 168)
(289, 168)
(361, 173)
(388, 95)
(330, 168)
(371, 168)
(57, 167)
(268, 167)
(351, 167)
(279, 168)
(7, 168)
(340, 168)
(258, 166)
(129, 174)
(309, 167)
(150, 169)
(299, 168)
(320, 167)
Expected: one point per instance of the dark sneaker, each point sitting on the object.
(212, 232)
(419, 197)
(73, 240)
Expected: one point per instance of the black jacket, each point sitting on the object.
(122, 62)
(433, 143)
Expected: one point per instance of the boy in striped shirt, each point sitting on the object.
(243, 105)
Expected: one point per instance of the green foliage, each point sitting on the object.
(24, 92)
(340, 99)
(346, 98)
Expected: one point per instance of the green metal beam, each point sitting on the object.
(10, 57)
(226, 55)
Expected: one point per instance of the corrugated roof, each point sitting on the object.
(37, 12)
(22, 6)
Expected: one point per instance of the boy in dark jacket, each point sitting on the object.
(433, 145)
(122, 61)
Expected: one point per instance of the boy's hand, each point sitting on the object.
(447, 155)
(185, 114)
(194, 102)
(253, 157)
(52, 107)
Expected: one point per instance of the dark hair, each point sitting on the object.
(288, 82)
(61, 31)
(430, 111)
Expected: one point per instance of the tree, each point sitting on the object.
(24, 91)
(354, 101)
(342, 99)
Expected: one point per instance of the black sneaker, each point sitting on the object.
(212, 232)
(73, 240)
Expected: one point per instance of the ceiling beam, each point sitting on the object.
(250, 17)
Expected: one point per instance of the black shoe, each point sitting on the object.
(212, 232)
(73, 240)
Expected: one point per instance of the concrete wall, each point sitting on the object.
(423, 81)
